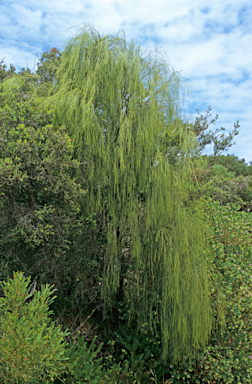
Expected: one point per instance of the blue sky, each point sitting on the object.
(209, 43)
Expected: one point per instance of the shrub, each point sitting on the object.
(31, 346)
(87, 365)
(228, 355)
(141, 347)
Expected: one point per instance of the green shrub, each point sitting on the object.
(141, 347)
(31, 346)
(228, 356)
(85, 365)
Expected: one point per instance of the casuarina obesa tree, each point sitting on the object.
(120, 110)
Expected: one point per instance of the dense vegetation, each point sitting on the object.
(105, 195)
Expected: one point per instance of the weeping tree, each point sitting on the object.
(121, 110)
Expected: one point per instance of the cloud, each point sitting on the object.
(209, 43)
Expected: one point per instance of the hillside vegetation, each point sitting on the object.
(111, 216)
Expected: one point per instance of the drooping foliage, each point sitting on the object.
(227, 357)
(121, 110)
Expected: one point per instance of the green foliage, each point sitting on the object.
(227, 358)
(31, 346)
(139, 346)
(221, 143)
(18, 107)
(4, 72)
(85, 365)
(43, 230)
(232, 163)
(222, 180)
(122, 222)
(82, 363)
(46, 71)
(47, 65)
(108, 97)
(38, 197)
(24, 82)
(239, 186)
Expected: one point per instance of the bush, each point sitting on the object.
(141, 347)
(85, 365)
(228, 357)
(31, 346)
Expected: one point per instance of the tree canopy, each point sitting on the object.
(121, 111)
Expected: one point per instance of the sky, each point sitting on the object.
(208, 42)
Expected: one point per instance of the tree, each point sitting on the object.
(108, 96)
(234, 164)
(221, 143)
(241, 182)
(224, 178)
(6, 73)
(205, 167)
(31, 346)
(46, 71)
(38, 199)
